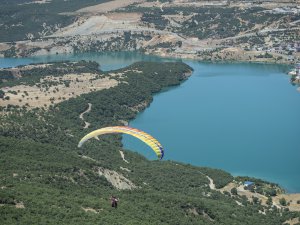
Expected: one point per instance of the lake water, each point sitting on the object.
(240, 117)
(107, 60)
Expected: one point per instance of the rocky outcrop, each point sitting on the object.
(117, 180)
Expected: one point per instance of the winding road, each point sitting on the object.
(87, 124)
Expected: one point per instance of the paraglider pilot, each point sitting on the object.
(114, 201)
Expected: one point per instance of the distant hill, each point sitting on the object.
(204, 30)
(21, 19)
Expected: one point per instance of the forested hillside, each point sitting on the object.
(27, 19)
(46, 179)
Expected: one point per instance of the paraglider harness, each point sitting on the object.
(114, 202)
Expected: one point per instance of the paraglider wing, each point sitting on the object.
(146, 138)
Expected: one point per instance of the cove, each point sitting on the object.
(239, 117)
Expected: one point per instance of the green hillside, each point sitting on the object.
(46, 179)
(20, 18)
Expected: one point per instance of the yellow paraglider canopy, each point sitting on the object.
(146, 138)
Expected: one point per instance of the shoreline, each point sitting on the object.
(193, 57)
(161, 55)
(171, 57)
(285, 190)
(291, 198)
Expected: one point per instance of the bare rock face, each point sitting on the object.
(117, 180)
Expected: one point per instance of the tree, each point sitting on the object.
(255, 200)
(2, 93)
(271, 192)
(269, 201)
(233, 191)
(282, 201)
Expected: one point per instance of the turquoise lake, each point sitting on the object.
(240, 117)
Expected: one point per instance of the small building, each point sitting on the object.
(248, 185)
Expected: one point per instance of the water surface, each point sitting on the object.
(239, 117)
(107, 60)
